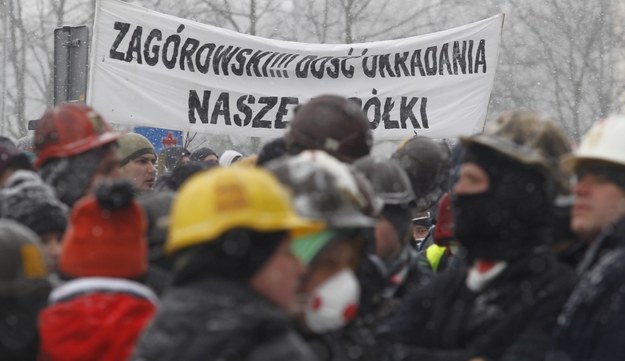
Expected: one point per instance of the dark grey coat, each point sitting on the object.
(591, 326)
(214, 319)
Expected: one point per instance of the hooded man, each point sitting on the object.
(504, 304)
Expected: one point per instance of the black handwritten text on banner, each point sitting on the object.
(157, 70)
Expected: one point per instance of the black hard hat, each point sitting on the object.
(428, 165)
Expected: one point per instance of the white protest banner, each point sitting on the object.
(158, 70)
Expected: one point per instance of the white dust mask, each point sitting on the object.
(333, 303)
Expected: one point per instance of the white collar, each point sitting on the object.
(106, 284)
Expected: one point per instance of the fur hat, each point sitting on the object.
(28, 200)
(132, 146)
(106, 237)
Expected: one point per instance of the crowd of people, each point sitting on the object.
(507, 246)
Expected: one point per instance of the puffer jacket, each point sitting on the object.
(95, 319)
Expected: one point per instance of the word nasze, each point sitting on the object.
(271, 111)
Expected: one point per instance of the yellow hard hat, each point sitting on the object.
(213, 202)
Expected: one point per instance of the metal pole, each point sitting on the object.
(5, 31)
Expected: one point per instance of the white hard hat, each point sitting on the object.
(604, 142)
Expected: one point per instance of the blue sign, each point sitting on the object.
(161, 138)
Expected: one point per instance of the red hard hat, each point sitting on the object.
(70, 129)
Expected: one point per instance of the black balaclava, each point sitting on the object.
(236, 255)
(511, 218)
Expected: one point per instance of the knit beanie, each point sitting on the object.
(202, 153)
(26, 199)
(182, 172)
(13, 157)
(132, 146)
(106, 236)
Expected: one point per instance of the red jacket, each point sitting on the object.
(95, 319)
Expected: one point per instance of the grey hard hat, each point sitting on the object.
(390, 182)
(320, 191)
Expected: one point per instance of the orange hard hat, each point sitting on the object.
(70, 129)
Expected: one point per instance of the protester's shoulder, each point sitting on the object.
(439, 285)
(227, 304)
(285, 346)
(217, 318)
(546, 271)
(609, 269)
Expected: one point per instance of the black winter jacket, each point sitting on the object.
(216, 319)
(592, 324)
(19, 310)
(512, 318)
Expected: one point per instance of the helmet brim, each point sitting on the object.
(571, 162)
(76, 148)
(520, 153)
(210, 230)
